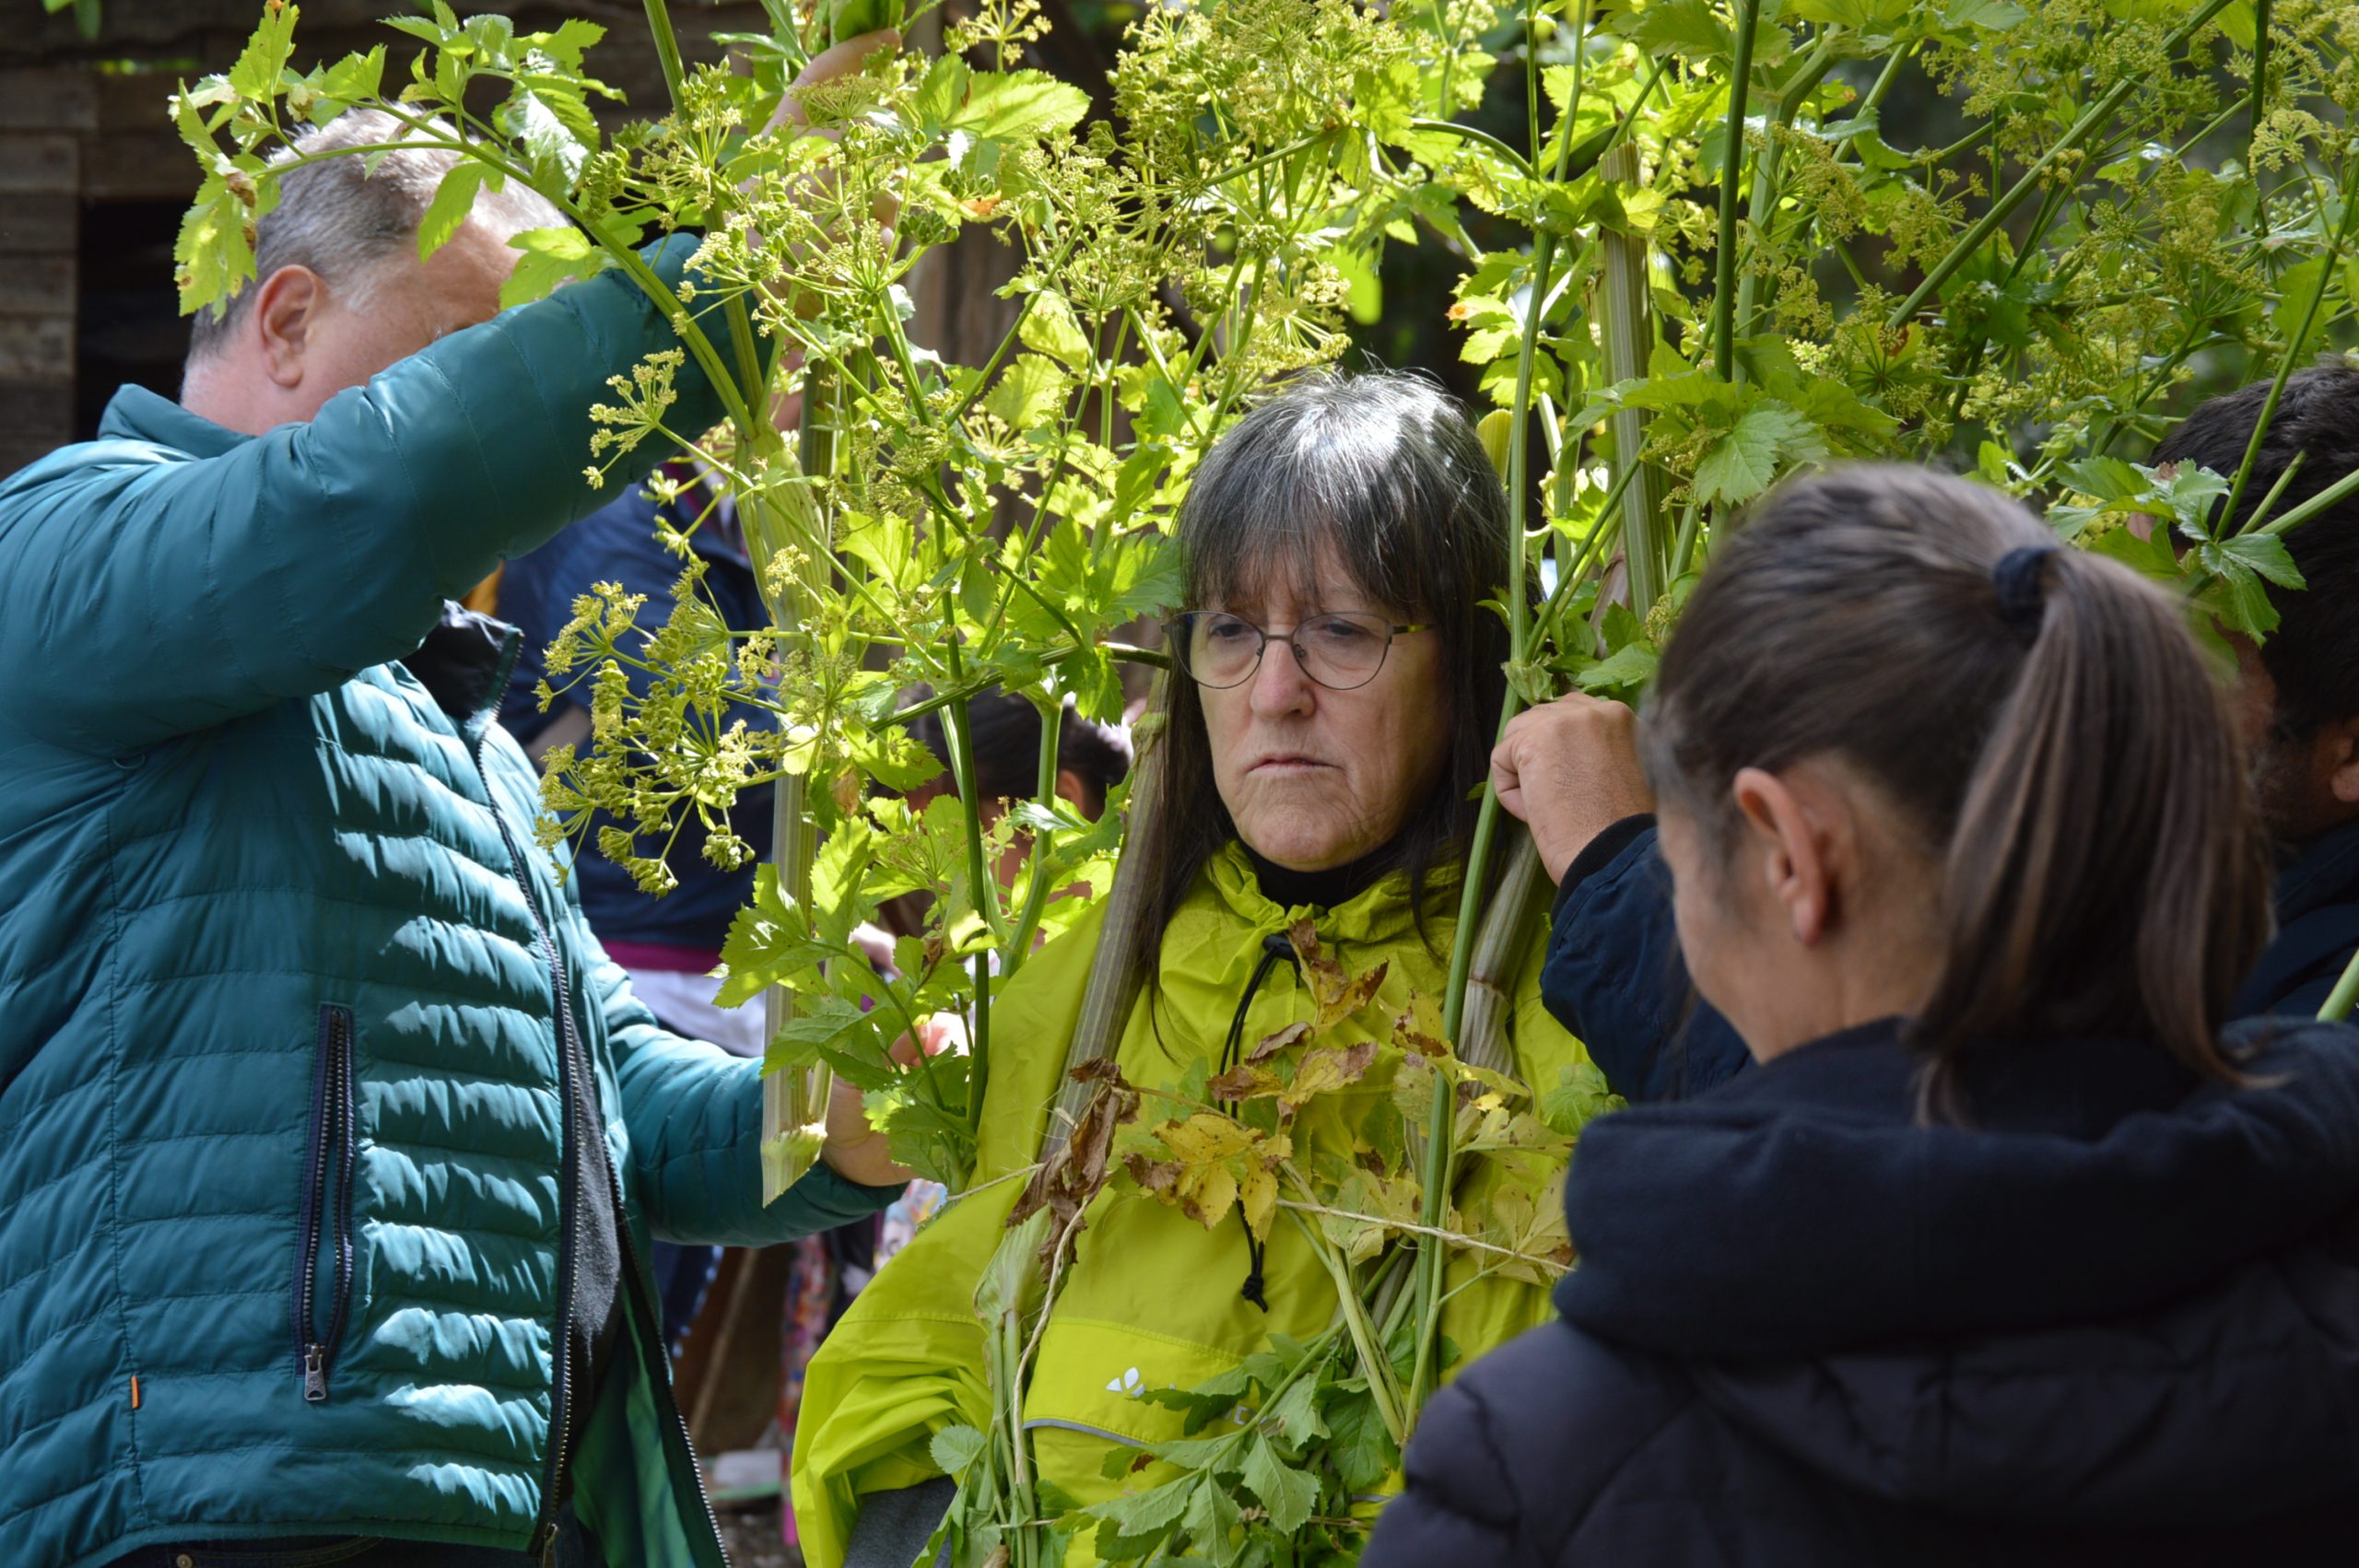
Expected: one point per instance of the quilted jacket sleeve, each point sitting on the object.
(694, 1116)
(191, 591)
(1614, 976)
(1460, 1504)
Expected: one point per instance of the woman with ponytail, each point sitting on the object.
(2007, 1251)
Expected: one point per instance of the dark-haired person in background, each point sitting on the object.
(2007, 1252)
(1570, 769)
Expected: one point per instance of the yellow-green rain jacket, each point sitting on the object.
(1152, 1298)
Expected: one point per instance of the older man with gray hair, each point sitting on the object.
(330, 1139)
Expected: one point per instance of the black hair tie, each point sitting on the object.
(2019, 579)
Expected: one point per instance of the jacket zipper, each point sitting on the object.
(327, 1204)
(572, 1066)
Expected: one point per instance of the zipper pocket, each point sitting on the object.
(327, 1206)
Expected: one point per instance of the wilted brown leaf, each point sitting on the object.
(1071, 1175)
(1409, 1037)
(1273, 1044)
(1338, 993)
(1248, 1083)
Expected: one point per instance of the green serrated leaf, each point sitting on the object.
(1288, 1493)
(256, 75)
(2266, 555)
(1049, 327)
(1133, 1525)
(1741, 464)
(551, 256)
(956, 1447)
(767, 943)
(454, 201)
(1581, 1096)
(1018, 106)
(1689, 29)
(1990, 15)
(1029, 391)
(1360, 1448)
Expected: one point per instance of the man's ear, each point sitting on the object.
(1073, 791)
(1787, 850)
(2337, 759)
(286, 313)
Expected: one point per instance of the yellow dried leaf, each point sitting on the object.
(1326, 1070)
(1260, 1197)
(1205, 1192)
(1204, 1138)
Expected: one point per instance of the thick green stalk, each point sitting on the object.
(1044, 790)
(1624, 308)
(2097, 114)
(2276, 493)
(1748, 17)
(751, 373)
(2334, 493)
(2346, 992)
(1439, 1158)
(667, 48)
(1765, 169)
(2260, 74)
(792, 1101)
(2285, 367)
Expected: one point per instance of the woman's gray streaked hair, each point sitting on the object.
(351, 225)
(1384, 471)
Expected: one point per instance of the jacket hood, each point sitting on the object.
(2117, 1298)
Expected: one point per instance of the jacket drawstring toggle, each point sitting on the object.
(1275, 947)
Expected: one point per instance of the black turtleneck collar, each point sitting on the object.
(1288, 888)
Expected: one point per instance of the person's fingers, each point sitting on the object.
(843, 59)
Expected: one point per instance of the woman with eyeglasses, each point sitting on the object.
(1322, 739)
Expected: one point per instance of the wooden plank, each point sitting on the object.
(47, 100)
(33, 225)
(38, 285)
(37, 164)
(138, 166)
(36, 348)
(41, 412)
(136, 101)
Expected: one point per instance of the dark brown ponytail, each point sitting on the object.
(2042, 714)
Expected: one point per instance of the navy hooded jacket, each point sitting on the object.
(2117, 1320)
(1615, 979)
(618, 544)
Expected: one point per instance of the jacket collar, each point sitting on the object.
(135, 414)
(2325, 870)
(1377, 912)
(463, 666)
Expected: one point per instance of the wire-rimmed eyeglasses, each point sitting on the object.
(1341, 649)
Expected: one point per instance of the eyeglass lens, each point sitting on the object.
(1339, 650)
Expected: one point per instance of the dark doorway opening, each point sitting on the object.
(131, 328)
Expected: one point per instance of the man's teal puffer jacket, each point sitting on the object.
(278, 1063)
